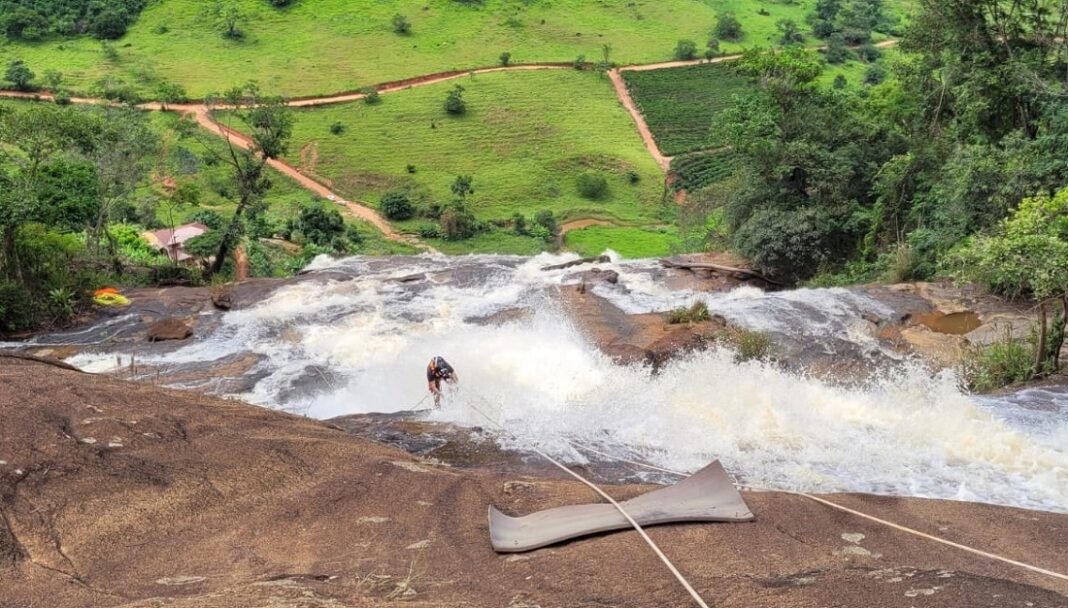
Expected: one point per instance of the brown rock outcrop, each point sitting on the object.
(169, 329)
(121, 494)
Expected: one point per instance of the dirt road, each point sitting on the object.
(363, 210)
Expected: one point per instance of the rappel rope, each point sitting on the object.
(656, 549)
(845, 509)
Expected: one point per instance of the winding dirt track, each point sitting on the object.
(361, 209)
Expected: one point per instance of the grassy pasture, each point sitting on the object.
(630, 242)
(525, 138)
(323, 46)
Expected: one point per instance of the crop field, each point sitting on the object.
(525, 138)
(695, 171)
(316, 47)
(629, 242)
(680, 103)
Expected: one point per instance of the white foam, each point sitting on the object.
(907, 433)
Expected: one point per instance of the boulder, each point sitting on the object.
(598, 275)
(170, 328)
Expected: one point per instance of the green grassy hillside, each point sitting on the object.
(525, 139)
(324, 46)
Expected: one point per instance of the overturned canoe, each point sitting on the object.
(707, 495)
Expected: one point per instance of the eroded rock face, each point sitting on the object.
(169, 329)
(636, 338)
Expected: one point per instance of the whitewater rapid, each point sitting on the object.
(364, 333)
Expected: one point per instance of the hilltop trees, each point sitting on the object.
(34, 20)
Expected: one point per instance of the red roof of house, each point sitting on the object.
(171, 240)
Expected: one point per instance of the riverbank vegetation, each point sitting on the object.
(887, 181)
(79, 185)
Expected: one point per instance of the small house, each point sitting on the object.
(170, 241)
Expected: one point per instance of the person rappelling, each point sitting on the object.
(438, 370)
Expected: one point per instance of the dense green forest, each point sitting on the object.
(886, 181)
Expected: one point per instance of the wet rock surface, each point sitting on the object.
(125, 494)
(169, 329)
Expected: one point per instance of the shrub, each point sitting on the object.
(696, 313)
(869, 52)
(397, 206)
(454, 101)
(401, 24)
(337, 127)
(19, 74)
(633, 176)
(1006, 361)
(505, 58)
(429, 231)
(371, 96)
(457, 222)
(17, 308)
(591, 184)
(750, 346)
(208, 217)
(545, 219)
(840, 82)
(791, 245)
(580, 62)
(519, 224)
(712, 48)
(875, 74)
(319, 224)
(540, 232)
(205, 245)
(837, 50)
(728, 27)
(61, 98)
(685, 50)
(789, 32)
(410, 168)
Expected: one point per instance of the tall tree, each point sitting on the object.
(30, 137)
(269, 125)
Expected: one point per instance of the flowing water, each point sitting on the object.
(357, 334)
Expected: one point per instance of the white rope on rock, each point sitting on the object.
(656, 549)
(846, 509)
